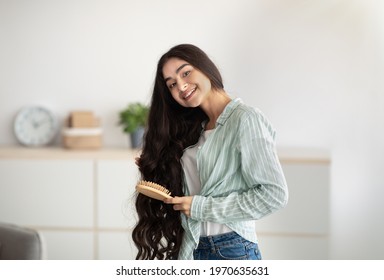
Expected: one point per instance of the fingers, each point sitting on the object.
(137, 159)
(182, 204)
(179, 200)
(174, 200)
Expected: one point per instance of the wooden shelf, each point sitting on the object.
(17, 152)
(286, 154)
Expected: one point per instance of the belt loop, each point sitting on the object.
(212, 243)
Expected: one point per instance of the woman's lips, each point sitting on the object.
(187, 95)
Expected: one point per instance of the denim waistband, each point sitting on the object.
(219, 240)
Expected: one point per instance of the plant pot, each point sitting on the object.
(137, 138)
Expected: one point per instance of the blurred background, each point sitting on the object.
(315, 68)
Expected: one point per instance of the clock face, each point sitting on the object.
(35, 126)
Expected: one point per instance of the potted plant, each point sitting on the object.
(133, 119)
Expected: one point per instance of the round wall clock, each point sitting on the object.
(35, 126)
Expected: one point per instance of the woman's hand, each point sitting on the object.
(137, 161)
(182, 204)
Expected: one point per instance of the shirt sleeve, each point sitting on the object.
(266, 190)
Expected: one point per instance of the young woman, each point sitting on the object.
(215, 154)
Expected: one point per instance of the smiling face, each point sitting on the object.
(188, 86)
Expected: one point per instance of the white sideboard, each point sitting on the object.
(82, 202)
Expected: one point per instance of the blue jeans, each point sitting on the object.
(228, 246)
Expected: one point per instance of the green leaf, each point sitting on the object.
(133, 116)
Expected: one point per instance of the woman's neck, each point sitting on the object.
(214, 105)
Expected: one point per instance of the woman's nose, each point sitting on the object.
(183, 86)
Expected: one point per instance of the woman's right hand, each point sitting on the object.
(182, 204)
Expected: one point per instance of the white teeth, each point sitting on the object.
(189, 93)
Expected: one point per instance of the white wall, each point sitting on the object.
(315, 68)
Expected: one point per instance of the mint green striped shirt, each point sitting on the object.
(240, 174)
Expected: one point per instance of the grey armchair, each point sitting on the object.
(19, 243)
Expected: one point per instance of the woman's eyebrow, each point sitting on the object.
(181, 67)
(177, 70)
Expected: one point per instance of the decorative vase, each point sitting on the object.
(137, 138)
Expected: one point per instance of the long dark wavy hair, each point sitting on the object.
(170, 129)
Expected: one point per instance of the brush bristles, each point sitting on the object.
(155, 186)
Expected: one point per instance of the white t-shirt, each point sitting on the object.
(189, 163)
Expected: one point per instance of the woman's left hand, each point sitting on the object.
(182, 204)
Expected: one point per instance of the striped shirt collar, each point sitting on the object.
(228, 110)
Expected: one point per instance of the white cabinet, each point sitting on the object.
(68, 243)
(83, 202)
(50, 193)
(116, 180)
(116, 214)
(301, 229)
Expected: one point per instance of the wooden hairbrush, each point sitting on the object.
(153, 190)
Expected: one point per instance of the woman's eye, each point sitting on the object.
(187, 73)
(172, 85)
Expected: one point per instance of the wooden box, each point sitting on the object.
(83, 119)
(82, 138)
